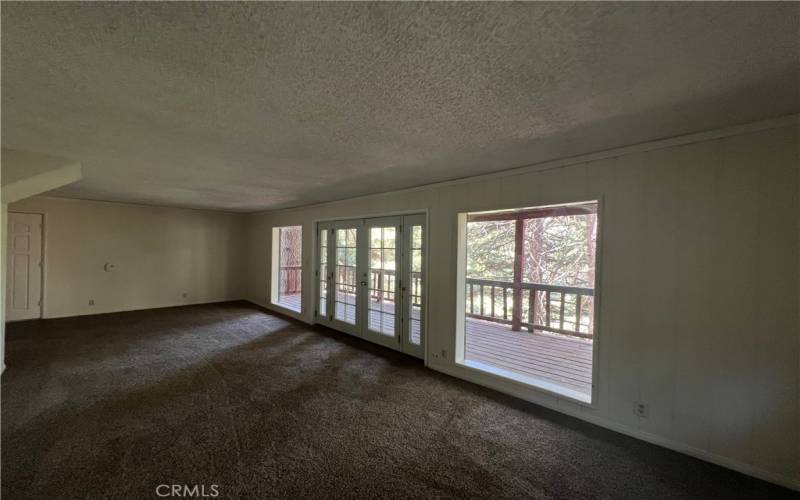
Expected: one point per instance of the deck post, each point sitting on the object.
(519, 241)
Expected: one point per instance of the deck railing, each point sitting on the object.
(567, 310)
(381, 283)
(384, 280)
(291, 279)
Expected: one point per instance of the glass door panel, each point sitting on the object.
(382, 303)
(413, 284)
(381, 281)
(337, 264)
(323, 274)
(344, 275)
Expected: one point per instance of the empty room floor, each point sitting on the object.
(111, 406)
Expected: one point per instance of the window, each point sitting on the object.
(287, 267)
(529, 293)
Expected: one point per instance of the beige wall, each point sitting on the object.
(24, 174)
(159, 253)
(698, 287)
(699, 282)
(3, 222)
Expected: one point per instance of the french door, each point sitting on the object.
(370, 279)
(337, 274)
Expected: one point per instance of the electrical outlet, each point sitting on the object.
(185, 295)
(640, 409)
(91, 302)
(444, 353)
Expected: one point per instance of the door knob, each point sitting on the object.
(363, 283)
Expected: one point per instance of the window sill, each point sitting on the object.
(542, 385)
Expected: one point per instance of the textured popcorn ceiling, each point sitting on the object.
(248, 106)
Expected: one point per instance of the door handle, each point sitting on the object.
(363, 283)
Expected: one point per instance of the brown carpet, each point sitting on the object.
(111, 406)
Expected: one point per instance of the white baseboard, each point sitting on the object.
(123, 309)
(729, 463)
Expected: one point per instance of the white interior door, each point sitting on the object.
(379, 279)
(24, 266)
(413, 281)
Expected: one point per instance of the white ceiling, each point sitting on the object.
(250, 106)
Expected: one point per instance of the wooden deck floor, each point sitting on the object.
(375, 320)
(291, 301)
(555, 359)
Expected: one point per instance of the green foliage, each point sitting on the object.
(556, 250)
(490, 250)
(560, 250)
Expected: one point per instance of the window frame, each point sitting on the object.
(499, 378)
